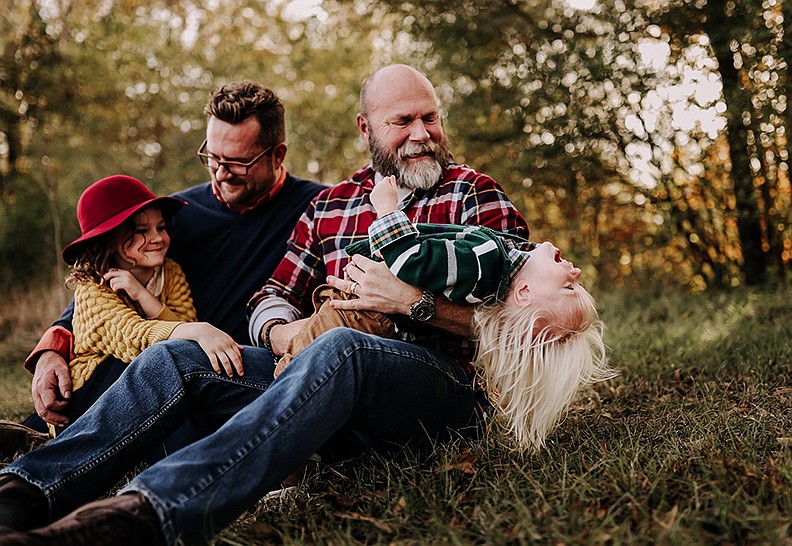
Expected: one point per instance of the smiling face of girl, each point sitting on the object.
(144, 245)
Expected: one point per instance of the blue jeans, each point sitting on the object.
(386, 392)
(100, 380)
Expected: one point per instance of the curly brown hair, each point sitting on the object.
(237, 101)
(94, 260)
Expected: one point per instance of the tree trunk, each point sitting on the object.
(738, 100)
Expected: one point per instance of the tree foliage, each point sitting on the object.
(746, 40)
(609, 143)
(647, 138)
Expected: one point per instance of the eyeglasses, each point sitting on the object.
(237, 168)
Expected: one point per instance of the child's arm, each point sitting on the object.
(104, 324)
(464, 263)
(223, 352)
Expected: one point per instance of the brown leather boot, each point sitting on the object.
(125, 520)
(22, 506)
(16, 440)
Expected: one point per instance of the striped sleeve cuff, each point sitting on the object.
(389, 229)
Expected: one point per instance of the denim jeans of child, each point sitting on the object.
(386, 392)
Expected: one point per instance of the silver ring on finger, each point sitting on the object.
(353, 288)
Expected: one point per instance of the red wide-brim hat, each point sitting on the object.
(107, 203)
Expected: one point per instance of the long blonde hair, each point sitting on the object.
(533, 360)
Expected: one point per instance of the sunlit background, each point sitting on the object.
(646, 138)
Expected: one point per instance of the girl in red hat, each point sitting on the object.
(128, 295)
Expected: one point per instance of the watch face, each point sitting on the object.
(422, 311)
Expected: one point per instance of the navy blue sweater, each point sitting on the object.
(227, 256)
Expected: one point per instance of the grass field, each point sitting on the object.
(691, 444)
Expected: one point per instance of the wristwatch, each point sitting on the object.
(423, 309)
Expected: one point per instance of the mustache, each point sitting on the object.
(411, 149)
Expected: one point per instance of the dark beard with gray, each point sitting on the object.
(422, 174)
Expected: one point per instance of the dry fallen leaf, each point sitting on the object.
(401, 505)
(261, 529)
(381, 525)
(464, 462)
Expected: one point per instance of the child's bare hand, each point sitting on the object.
(385, 196)
(121, 279)
(224, 353)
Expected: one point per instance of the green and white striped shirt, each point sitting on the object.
(467, 264)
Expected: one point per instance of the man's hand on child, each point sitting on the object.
(376, 288)
(51, 388)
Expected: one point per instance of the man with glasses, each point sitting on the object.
(228, 241)
(384, 393)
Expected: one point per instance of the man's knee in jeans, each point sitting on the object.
(338, 343)
(181, 355)
(335, 348)
(375, 356)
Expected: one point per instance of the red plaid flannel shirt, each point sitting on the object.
(342, 214)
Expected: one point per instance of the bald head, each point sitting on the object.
(400, 121)
(385, 82)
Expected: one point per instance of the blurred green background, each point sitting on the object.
(648, 139)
